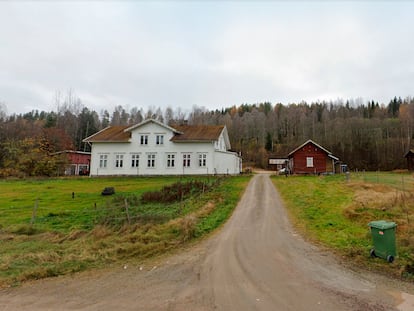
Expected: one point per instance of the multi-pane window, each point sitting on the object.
(159, 140)
(202, 159)
(103, 160)
(309, 161)
(151, 160)
(170, 160)
(135, 160)
(119, 160)
(186, 160)
(144, 139)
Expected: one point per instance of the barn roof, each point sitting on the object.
(409, 152)
(315, 144)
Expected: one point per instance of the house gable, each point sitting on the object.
(311, 158)
(310, 141)
(151, 130)
(149, 121)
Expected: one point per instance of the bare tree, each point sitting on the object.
(3, 111)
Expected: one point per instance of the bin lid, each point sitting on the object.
(382, 224)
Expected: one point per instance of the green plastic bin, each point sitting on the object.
(383, 237)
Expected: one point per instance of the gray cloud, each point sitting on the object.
(209, 54)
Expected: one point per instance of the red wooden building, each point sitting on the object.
(78, 162)
(311, 158)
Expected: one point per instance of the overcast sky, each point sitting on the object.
(210, 54)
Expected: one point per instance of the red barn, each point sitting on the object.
(311, 158)
(79, 162)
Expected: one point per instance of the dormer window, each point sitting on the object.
(144, 139)
(159, 140)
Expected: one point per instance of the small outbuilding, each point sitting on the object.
(276, 163)
(410, 159)
(312, 158)
(78, 162)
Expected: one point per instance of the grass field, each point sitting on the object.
(70, 234)
(335, 212)
(54, 199)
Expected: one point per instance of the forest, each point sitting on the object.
(364, 135)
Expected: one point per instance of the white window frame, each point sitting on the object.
(309, 161)
(170, 160)
(186, 159)
(119, 160)
(202, 159)
(135, 160)
(151, 160)
(159, 140)
(143, 139)
(103, 161)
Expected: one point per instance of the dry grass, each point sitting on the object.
(371, 196)
(102, 245)
(379, 201)
(100, 232)
(38, 251)
(336, 213)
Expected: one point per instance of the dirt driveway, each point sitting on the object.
(255, 262)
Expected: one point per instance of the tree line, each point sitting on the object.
(364, 135)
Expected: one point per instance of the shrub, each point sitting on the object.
(175, 192)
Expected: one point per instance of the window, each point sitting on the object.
(144, 139)
(159, 140)
(202, 159)
(83, 169)
(103, 160)
(119, 160)
(170, 160)
(135, 160)
(151, 160)
(186, 160)
(309, 161)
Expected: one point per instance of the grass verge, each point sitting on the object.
(335, 213)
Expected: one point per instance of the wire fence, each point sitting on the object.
(401, 181)
(117, 210)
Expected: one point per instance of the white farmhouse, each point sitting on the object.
(153, 148)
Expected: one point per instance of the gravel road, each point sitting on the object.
(255, 262)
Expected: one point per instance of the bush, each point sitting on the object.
(175, 192)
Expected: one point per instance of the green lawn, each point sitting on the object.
(89, 230)
(57, 210)
(317, 203)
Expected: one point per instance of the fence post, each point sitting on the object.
(127, 212)
(32, 221)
